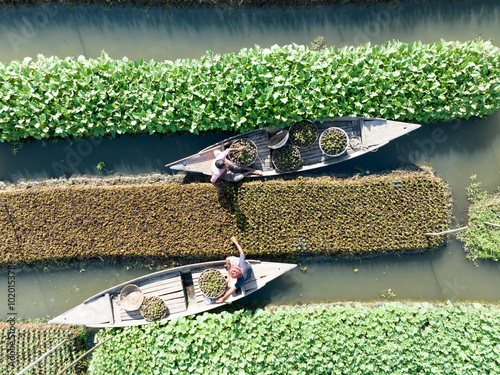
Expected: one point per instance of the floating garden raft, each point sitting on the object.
(32, 340)
(354, 339)
(51, 98)
(356, 216)
(482, 238)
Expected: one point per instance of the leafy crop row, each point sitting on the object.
(54, 98)
(389, 339)
(324, 216)
(34, 340)
(482, 240)
(369, 215)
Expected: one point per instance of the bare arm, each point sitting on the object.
(227, 294)
(237, 244)
(236, 149)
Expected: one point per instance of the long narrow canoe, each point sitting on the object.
(178, 287)
(365, 135)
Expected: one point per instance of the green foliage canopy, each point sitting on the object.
(390, 339)
(482, 240)
(55, 98)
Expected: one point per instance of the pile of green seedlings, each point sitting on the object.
(212, 283)
(333, 141)
(32, 340)
(361, 215)
(51, 97)
(482, 238)
(286, 158)
(388, 339)
(244, 157)
(153, 308)
(303, 133)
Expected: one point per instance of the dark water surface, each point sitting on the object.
(456, 150)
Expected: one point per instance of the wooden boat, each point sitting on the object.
(365, 135)
(178, 287)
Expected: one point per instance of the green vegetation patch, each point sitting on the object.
(55, 98)
(389, 339)
(362, 215)
(33, 340)
(482, 240)
(366, 215)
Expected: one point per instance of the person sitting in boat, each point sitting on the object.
(227, 170)
(239, 272)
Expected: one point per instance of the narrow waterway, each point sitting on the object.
(456, 150)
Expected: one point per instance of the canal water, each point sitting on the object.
(456, 150)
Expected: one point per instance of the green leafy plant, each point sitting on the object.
(286, 158)
(333, 141)
(245, 157)
(100, 165)
(153, 308)
(314, 339)
(303, 133)
(482, 239)
(52, 98)
(212, 283)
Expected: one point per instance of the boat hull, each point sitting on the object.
(365, 135)
(178, 287)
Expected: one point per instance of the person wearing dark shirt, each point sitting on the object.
(239, 272)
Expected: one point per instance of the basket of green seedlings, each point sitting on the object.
(303, 133)
(153, 308)
(212, 283)
(333, 142)
(286, 158)
(244, 157)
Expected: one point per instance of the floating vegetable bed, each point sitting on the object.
(361, 215)
(212, 283)
(59, 98)
(245, 157)
(482, 238)
(32, 340)
(355, 339)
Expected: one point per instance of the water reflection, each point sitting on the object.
(440, 275)
(181, 33)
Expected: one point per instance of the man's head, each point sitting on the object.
(219, 163)
(235, 272)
